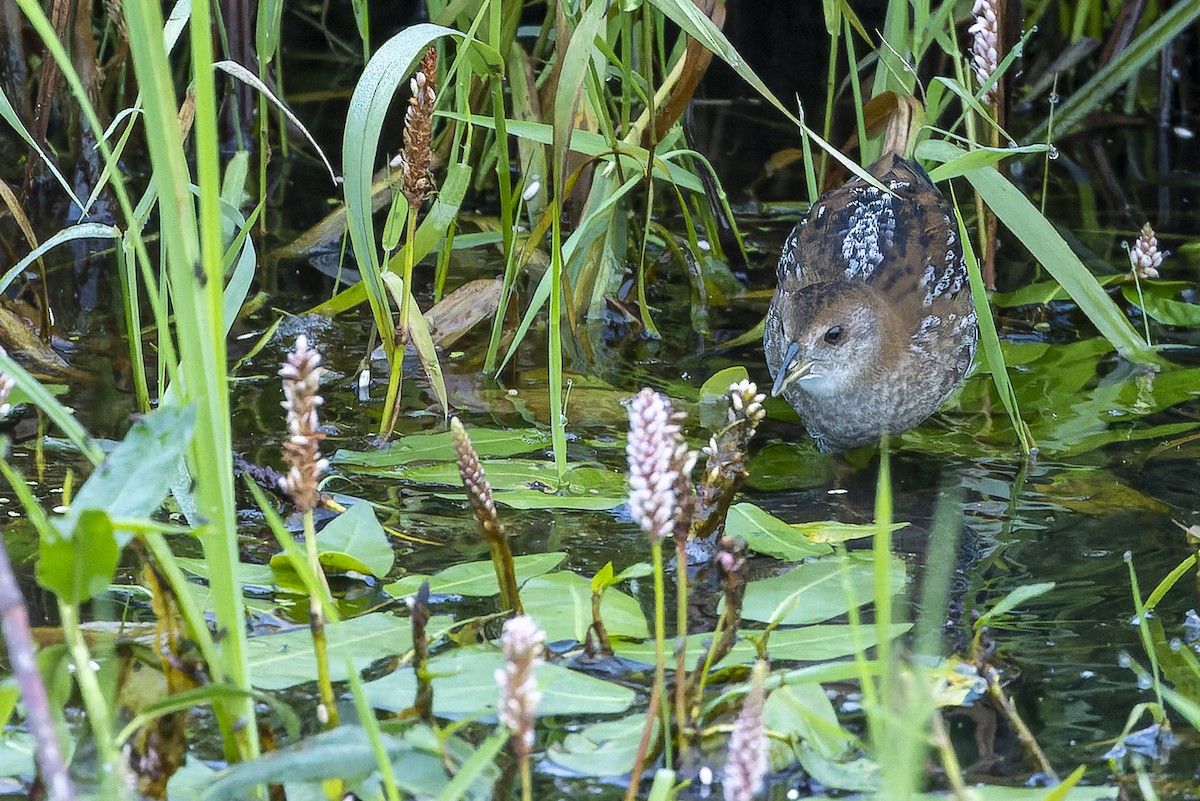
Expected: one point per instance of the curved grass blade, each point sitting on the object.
(1048, 247)
(10, 116)
(369, 105)
(1120, 70)
(68, 234)
(250, 79)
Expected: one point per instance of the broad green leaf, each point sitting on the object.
(833, 532)
(135, 478)
(600, 749)
(418, 762)
(765, 533)
(803, 712)
(1023, 219)
(714, 397)
(79, 564)
(353, 540)
(561, 603)
(815, 591)
(464, 684)
(817, 643)
(248, 575)
(277, 661)
(488, 442)
(475, 579)
(1166, 310)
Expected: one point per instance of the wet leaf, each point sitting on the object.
(1164, 309)
(561, 603)
(765, 533)
(600, 749)
(277, 661)
(714, 398)
(352, 541)
(803, 712)
(831, 531)
(81, 566)
(815, 591)
(818, 643)
(464, 684)
(477, 579)
(347, 752)
(439, 447)
(133, 481)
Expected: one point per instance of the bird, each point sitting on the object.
(872, 325)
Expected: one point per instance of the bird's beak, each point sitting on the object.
(792, 371)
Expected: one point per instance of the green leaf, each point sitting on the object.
(803, 712)
(475, 579)
(714, 397)
(765, 533)
(1166, 310)
(488, 442)
(600, 749)
(561, 603)
(1014, 599)
(80, 566)
(418, 761)
(464, 684)
(815, 591)
(135, 478)
(353, 540)
(819, 643)
(1037, 234)
(277, 661)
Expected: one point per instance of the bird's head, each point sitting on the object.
(831, 336)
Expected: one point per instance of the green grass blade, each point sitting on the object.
(391, 65)
(10, 116)
(68, 234)
(1121, 69)
(1045, 243)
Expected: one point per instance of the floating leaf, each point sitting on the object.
(475, 578)
(282, 660)
(464, 684)
(815, 591)
(561, 604)
(600, 749)
(765, 533)
(352, 541)
(488, 442)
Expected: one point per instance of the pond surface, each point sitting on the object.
(1113, 483)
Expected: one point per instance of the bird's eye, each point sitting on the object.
(834, 335)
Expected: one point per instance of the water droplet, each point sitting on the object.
(1144, 682)
(1012, 144)
(1052, 153)
(1175, 644)
(1124, 659)
(1053, 98)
